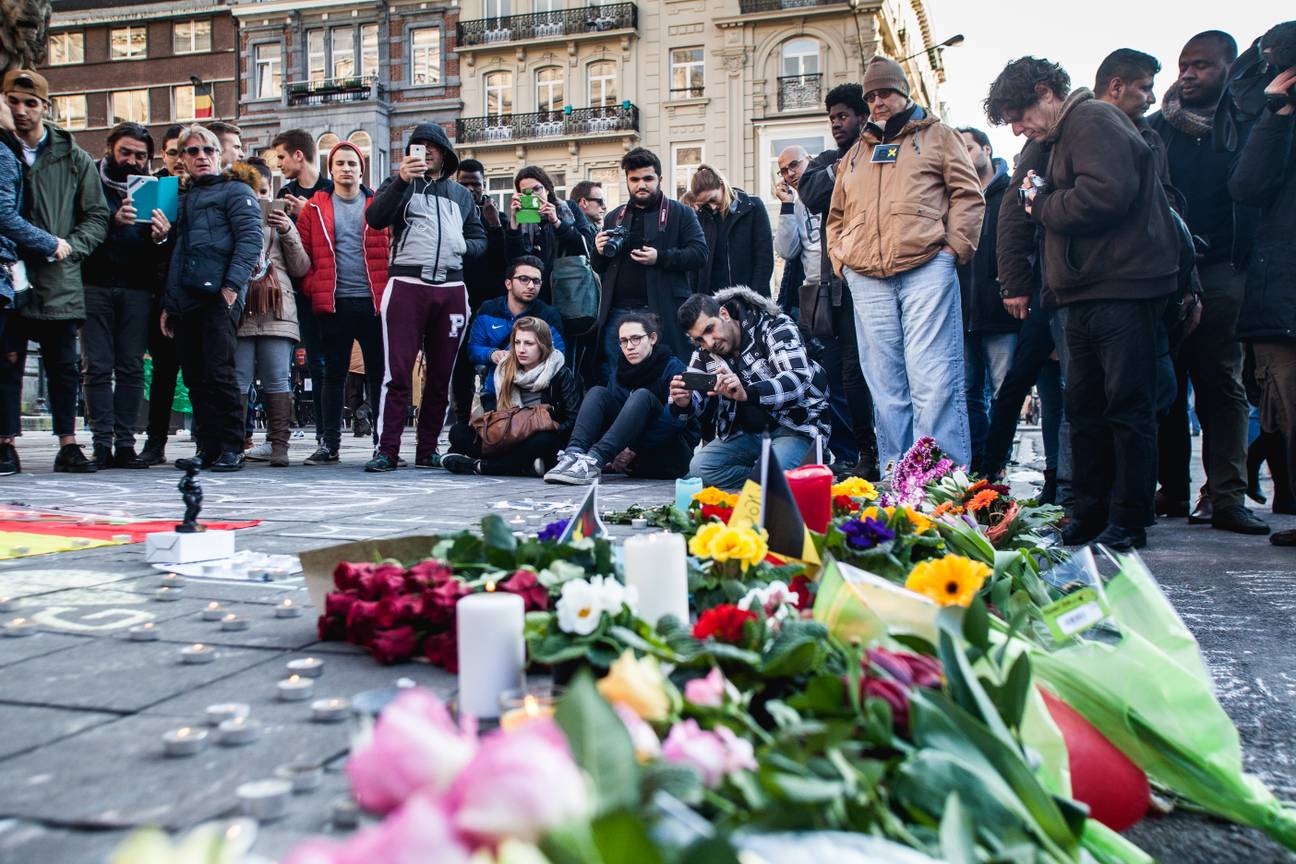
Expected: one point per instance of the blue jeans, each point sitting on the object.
(910, 329)
(728, 463)
(987, 358)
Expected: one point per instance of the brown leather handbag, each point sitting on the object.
(504, 428)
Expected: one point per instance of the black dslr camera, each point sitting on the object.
(615, 240)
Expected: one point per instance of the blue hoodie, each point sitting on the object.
(492, 325)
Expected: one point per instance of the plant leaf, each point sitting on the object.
(600, 744)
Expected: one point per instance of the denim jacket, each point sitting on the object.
(16, 233)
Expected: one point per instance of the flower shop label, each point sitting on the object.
(1075, 613)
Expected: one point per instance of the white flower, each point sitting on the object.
(615, 595)
(558, 573)
(775, 600)
(580, 608)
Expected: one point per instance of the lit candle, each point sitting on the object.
(811, 486)
(20, 627)
(197, 653)
(172, 580)
(265, 800)
(330, 710)
(144, 633)
(233, 622)
(185, 741)
(222, 711)
(213, 612)
(307, 667)
(295, 688)
(168, 594)
(492, 651)
(529, 711)
(238, 730)
(8, 604)
(656, 566)
(304, 776)
(685, 489)
(288, 609)
(638, 523)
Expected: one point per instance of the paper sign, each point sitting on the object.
(1075, 613)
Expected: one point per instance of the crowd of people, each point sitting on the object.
(1124, 267)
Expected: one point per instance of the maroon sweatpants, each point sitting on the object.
(433, 317)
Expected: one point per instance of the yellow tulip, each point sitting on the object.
(638, 684)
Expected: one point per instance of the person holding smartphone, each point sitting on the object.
(553, 236)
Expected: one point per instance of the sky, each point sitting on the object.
(1078, 34)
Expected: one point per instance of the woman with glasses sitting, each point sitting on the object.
(629, 423)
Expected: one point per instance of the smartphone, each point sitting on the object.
(267, 207)
(701, 382)
(418, 151)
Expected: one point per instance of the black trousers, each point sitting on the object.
(58, 346)
(606, 425)
(113, 340)
(308, 328)
(354, 320)
(1034, 347)
(205, 341)
(518, 462)
(859, 400)
(166, 366)
(1111, 403)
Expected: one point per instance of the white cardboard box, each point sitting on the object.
(170, 547)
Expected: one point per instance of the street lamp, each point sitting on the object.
(956, 39)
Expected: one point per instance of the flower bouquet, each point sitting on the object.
(709, 505)
(727, 562)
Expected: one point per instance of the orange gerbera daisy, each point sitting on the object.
(950, 581)
(982, 500)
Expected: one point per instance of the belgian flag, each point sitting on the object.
(766, 502)
(203, 102)
(585, 522)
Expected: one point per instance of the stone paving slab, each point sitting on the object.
(29, 726)
(23, 842)
(17, 651)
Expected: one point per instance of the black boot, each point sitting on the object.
(1256, 455)
(228, 461)
(1284, 500)
(71, 460)
(1048, 494)
(867, 467)
(102, 458)
(154, 453)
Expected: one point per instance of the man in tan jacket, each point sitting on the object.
(906, 209)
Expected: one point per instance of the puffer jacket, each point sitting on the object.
(317, 233)
(285, 252)
(220, 215)
(889, 218)
(490, 330)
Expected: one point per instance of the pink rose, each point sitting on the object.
(316, 850)
(708, 692)
(645, 741)
(714, 755)
(395, 645)
(519, 785)
(419, 832)
(415, 747)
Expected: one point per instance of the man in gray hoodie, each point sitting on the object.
(434, 227)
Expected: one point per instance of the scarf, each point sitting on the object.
(1195, 123)
(118, 186)
(531, 381)
(638, 376)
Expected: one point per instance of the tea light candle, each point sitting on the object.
(8, 604)
(330, 710)
(233, 622)
(144, 633)
(220, 712)
(656, 566)
(265, 800)
(238, 730)
(168, 594)
(492, 651)
(185, 741)
(304, 776)
(213, 612)
(638, 523)
(307, 667)
(197, 653)
(20, 627)
(533, 707)
(345, 814)
(171, 580)
(288, 609)
(685, 489)
(295, 688)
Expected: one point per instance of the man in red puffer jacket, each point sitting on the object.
(345, 285)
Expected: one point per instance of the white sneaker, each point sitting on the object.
(582, 471)
(259, 453)
(565, 460)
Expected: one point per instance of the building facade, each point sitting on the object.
(729, 83)
(346, 70)
(152, 63)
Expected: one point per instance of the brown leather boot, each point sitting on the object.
(278, 408)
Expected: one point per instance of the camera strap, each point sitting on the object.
(663, 213)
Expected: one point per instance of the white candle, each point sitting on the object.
(185, 741)
(168, 594)
(294, 688)
(288, 609)
(304, 776)
(238, 730)
(330, 710)
(172, 580)
(222, 711)
(8, 604)
(197, 653)
(144, 633)
(656, 566)
(233, 622)
(213, 612)
(492, 651)
(20, 627)
(307, 667)
(265, 800)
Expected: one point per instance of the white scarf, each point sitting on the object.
(533, 380)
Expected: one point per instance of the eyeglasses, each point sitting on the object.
(877, 95)
(790, 167)
(527, 280)
(172, 152)
(206, 151)
(632, 341)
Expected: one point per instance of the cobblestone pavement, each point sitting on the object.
(83, 708)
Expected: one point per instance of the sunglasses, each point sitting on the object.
(877, 95)
(172, 152)
(602, 202)
(206, 151)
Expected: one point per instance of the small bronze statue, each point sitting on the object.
(191, 491)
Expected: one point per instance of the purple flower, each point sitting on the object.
(923, 465)
(553, 530)
(866, 533)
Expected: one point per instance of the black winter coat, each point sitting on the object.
(741, 251)
(551, 243)
(128, 257)
(221, 216)
(1265, 177)
(983, 309)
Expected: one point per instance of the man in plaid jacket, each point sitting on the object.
(765, 382)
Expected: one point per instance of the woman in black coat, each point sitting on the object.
(738, 235)
(556, 236)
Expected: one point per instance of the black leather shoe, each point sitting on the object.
(152, 454)
(1203, 513)
(1048, 493)
(199, 459)
(123, 457)
(102, 458)
(9, 462)
(1164, 505)
(1079, 534)
(1283, 538)
(70, 460)
(1239, 520)
(1122, 539)
(228, 461)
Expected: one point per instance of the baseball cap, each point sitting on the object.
(26, 81)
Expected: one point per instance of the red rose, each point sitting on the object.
(439, 602)
(721, 513)
(338, 603)
(894, 694)
(535, 597)
(800, 586)
(911, 670)
(442, 650)
(845, 502)
(347, 575)
(394, 646)
(332, 628)
(724, 623)
(361, 621)
(385, 579)
(402, 609)
(427, 574)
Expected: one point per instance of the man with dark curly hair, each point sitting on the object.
(1110, 260)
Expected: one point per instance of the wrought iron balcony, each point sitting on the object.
(331, 90)
(548, 25)
(581, 122)
(799, 91)
(750, 6)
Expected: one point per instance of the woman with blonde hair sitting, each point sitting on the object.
(530, 416)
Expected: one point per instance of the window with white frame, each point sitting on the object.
(369, 49)
(191, 37)
(70, 112)
(183, 96)
(364, 144)
(268, 69)
(688, 73)
(66, 48)
(602, 77)
(612, 180)
(497, 8)
(343, 45)
(316, 57)
(500, 190)
(549, 88)
(800, 57)
(425, 55)
(130, 106)
(499, 93)
(685, 159)
(128, 43)
(326, 143)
